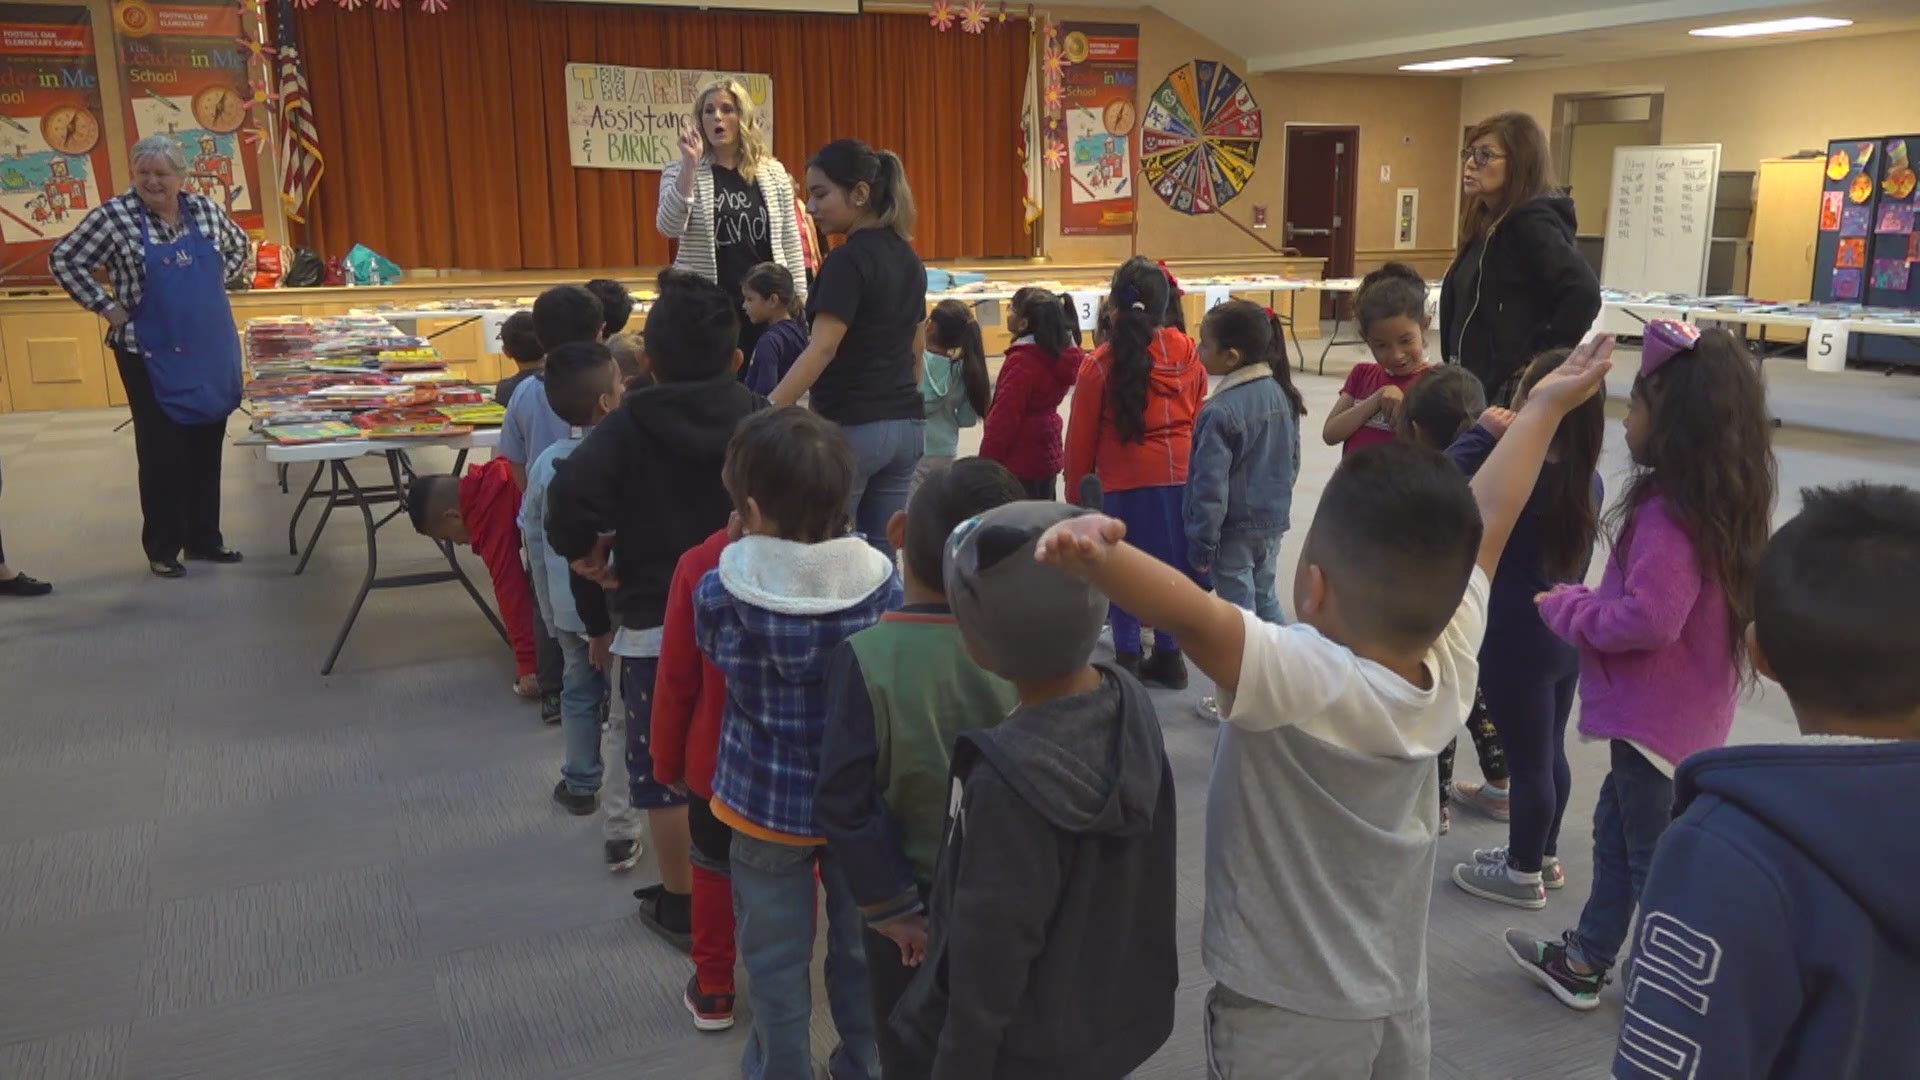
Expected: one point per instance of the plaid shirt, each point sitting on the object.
(776, 669)
(110, 237)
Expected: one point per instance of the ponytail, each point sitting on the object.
(954, 327)
(850, 162)
(1046, 318)
(773, 280)
(1256, 334)
(1138, 301)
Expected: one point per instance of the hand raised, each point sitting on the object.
(1577, 379)
(1496, 420)
(1080, 545)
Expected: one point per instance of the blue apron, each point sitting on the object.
(185, 326)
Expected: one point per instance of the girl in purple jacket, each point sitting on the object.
(1663, 640)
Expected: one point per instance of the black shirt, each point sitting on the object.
(741, 239)
(876, 285)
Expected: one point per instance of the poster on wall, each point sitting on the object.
(185, 75)
(1202, 137)
(630, 118)
(53, 162)
(1102, 118)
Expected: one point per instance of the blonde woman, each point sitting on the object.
(728, 200)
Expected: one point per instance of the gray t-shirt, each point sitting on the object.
(1322, 817)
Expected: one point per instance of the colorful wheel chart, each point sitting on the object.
(1200, 138)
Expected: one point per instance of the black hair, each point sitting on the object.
(1396, 533)
(770, 279)
(850, 162)
(797, 467)
(430, 496)
(1395, 289)
(1570, 517)
(1443, 405)
(566, 313)
(948, 496)
(1051, 319)
(692, 329)
(616, 304)
(518, 341)
(1139, 301)
(951, 325)
(1176, 315)
(577, 375)
(1255, 333)
(1834, 602)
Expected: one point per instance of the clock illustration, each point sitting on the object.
(70, 129)
(219, 108)
(1120, 117)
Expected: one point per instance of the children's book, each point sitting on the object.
(323, 431)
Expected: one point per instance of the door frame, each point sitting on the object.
(1346, 193)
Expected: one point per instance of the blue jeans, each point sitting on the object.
(885, 454)
(774, 923)
(583, 690)
(1636, 805)
(1243, 569)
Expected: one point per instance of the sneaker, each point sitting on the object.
(550, 709)
(574, 802)
(1490, 881)
(1552, 874)
(622, 855)
(1481, 797)
(1446, 820)
(711, 1012)
(1166, 667)
(1546, 963)
(1209, 708)
(1128, 662)
(667, 914)
(22, 585)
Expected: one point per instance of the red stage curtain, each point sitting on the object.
(445, 135)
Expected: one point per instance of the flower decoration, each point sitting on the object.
(1003, 11)
(386, 5)
(433, 7)
(1055, 63)
(306, 5)
(255, 8)
(351, 5)
(1056, 155)
(973, 17)
(254, 135)
(1054, 97)
(1052, 32)
(941, 17)
(258, 94)
(257, 51)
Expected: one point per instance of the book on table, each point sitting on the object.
(318, 432)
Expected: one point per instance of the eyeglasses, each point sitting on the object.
(1480, 156)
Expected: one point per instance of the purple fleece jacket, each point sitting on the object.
(1656, 662)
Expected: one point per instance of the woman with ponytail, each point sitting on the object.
(862, 362)
(1131, 425)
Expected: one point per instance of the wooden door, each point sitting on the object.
(1786, 222)
(1320, 193)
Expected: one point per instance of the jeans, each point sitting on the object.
(1636, 805)
(583, 689)
(774, 916)
(1243, 575)
(885, 454)
(179, 471)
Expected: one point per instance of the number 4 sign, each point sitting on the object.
(1217, 295)
(1827, 345)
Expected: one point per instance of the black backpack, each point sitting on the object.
(304, 270)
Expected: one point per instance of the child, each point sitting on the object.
(1663, 639)
(792, 587)
(1391, 309)
(1784, 891)
(522, 346)
(1051, 950)
(1527, 674)
(1320, 820)
(1131, 424)
(897, 695)
(954, 385)
(649, 475)
(616, 305)
(483, 510)
(771, 301)
(1023, 422)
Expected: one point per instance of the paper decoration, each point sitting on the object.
(1863, 154)
(1890, 274)
(1900, 181)
(1861, 189)
(1852, 254)
(1839, 165)
(1895, 218)
(941, 16)
(1855, 221)
(1202, 137)
(973, 18)
(1830, 202)
(1846, 284)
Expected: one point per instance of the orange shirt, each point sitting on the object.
(1175, 391)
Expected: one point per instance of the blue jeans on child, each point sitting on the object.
(1636, 805)
(885, 453)
(583, 688)
(1243, 570)
(774, 909)
(1155, 526)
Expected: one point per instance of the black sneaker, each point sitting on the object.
(574, 802)
(622, 855)
(22, 585)
(224, 555)
(1128, 662)
(550, 709)
(711, 1012)
(1166, 667)
(167, 568)
(668, 914)
(1546, 963)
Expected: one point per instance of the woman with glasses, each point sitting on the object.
(1518, 287)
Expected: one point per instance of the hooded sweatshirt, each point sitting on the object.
(1780, 924)
(1051, 950)
(650, 474)
(1023, 424)
(1175, 389)
(943, 393)
(769, 619)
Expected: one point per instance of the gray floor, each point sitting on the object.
(216, 863)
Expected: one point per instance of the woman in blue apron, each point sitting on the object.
(168, 256)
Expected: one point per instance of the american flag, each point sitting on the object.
(300, 161)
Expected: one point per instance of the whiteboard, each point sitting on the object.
(1662, 226)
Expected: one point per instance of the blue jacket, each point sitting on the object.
(769, 619)
(1246, 455)
(1779, 930)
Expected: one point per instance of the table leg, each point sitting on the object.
(280, 471)
(341, 472)
(1293, 326)
(478, 600)
(293, 525)
(1331, 338)
(333, 499)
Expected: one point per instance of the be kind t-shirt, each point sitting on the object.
(1361, 382)
(740, 237)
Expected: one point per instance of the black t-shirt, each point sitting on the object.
(741, 239)
(876, 285)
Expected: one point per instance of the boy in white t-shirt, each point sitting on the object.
(1321, 814)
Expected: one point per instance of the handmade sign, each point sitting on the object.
(630, 118)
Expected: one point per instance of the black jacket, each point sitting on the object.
(1051, 951)
(650, 474)
(1535, 292)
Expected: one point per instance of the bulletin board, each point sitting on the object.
(1893, 257)
(53, 159)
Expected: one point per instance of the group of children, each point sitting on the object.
(991, 814)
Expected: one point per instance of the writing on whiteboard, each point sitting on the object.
(1662, 218)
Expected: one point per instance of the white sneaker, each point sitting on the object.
(1490, 881)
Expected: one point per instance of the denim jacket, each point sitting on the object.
(1246, 454)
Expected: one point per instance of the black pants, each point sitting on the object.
(179, 472)
(887, 980)
(549, 663)
(1042, 490)
(1486, 745)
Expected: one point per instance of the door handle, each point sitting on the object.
(1293, 231)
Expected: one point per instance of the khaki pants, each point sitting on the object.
(1251, 1040)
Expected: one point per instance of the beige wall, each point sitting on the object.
(1590, 174)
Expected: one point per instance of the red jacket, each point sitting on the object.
(1023, 425)
(689, 694)
(490, 507)
(1175, 391)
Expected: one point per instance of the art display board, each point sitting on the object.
(1662, 228)
(1202, 137)
(630, 118)
(1098, 89)
(53, 159)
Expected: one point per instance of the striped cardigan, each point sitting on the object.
(691, 223)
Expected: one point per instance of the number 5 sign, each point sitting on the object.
(1827, 345)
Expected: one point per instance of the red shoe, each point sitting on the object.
(711, 1012)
